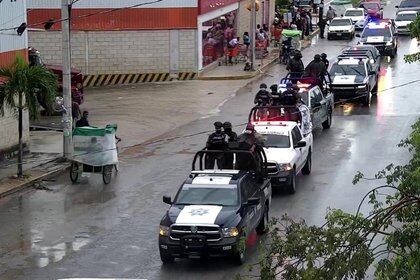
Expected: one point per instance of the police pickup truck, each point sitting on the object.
(368, 51)
(214, 211)
(382, 35)
(288, 151)
(353, 78)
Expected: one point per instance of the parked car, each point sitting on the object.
(403, 19)
(341, 28)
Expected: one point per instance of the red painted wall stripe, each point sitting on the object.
(128, 19)
(7, 58)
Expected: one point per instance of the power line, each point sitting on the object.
(86, 15)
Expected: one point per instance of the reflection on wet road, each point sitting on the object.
(92, 230)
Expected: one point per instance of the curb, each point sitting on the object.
(255, 73)
(32, 180)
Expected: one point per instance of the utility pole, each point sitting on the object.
(66, 52)
(252, 34)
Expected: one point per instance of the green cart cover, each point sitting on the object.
(95, 145)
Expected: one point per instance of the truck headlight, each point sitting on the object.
(163, 231)
(364, 86)
(389, 43)
(230, 232)
(285, 167)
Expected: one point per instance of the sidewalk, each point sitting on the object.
(40, 163)
(236, 72)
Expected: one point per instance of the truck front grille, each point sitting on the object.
(272, 168)
(212, 233)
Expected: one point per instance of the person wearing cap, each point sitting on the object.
(263, 97)
(232, 139)
(216, 141)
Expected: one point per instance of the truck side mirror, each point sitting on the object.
(300, 144)
(167, 200)
(253, 201)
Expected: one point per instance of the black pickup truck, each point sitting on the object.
(214, 211)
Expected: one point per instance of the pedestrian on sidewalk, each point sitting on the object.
(321, 24)
(330, 13)
(232, 44)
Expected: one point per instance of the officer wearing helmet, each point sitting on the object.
(295, 66)
(232, 140)
(263, 97)
(252, 141)
(316, 68)
(216, 141)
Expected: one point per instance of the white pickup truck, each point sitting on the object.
(288, 151)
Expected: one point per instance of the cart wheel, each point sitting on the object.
(74, 172)
(107, 174)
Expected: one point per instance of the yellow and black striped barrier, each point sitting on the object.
(121, 79)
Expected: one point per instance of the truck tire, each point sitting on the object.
(366, 99)
(291, 188)
(263, 224)
(327, 123)
(240, 256)
(308, 165)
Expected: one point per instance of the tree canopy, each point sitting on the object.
(347, 245)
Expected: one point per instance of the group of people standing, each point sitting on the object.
(224, 139)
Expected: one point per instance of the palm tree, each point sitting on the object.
(23, 87)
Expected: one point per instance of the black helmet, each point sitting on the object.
(263, 85)
(274, 87)
(323, 55)
(298, 54)
(218, 125)
(227, 125)
(317, 57)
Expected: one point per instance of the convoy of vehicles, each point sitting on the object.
(341, 28)
(215, 210)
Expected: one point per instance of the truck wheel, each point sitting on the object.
(107, 174)
(291, 188)
(308, 165)
(74, 172)
(327, 123)
(240, 256)
(165, 258)
(263, 224)
(366, 99)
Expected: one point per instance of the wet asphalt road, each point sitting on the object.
(92, 230)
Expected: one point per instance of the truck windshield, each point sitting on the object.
(406, 17)
(196, 194)
(358, 70)
(368, 32)
(277, 141)
(340, 22)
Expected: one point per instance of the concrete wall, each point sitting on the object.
(119, 52)
(9, 136)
